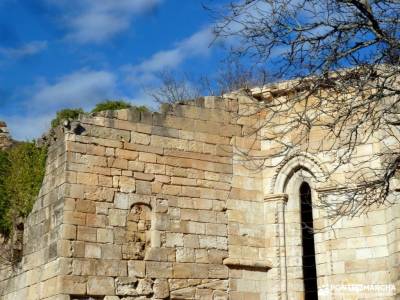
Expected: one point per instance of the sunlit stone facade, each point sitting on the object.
(138, 205)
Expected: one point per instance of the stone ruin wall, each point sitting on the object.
(41, 250)
(134, 205)
(5, 138)
(162, 206)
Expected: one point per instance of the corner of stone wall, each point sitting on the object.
(40, 263)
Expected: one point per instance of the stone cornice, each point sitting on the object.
(238, 263)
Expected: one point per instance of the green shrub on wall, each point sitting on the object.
(65, 114)
(115, 105)
(73, 113)
(111, 105)
(22, 169)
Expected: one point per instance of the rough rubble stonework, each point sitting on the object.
(5, 138)
(160, 206)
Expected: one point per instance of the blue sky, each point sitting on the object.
(75, 53)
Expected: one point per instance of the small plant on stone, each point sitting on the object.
(66, 114)
(111, 105)
(115, 105)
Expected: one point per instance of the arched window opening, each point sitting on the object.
(307, 233)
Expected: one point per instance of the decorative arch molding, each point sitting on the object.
(289, 166)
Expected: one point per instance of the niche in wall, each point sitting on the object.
(138, 232)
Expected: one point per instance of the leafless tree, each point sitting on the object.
(230, 76)
(173, 88)
(340, 60)
(234, 75)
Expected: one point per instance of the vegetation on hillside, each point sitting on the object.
(22, 170)
(5, 224)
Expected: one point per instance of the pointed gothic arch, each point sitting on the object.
(296, 178)
(288, 167)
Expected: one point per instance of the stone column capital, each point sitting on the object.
(283, 197)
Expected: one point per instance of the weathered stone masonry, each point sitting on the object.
(133, 205)
(162, 206)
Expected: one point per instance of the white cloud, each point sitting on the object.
(27, 127)
(82, 88)
(28, 49)
(97, 21)
(96, 27)
(162, 60)
(85, 88)
(197, 44)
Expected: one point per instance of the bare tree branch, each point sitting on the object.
(339, 62)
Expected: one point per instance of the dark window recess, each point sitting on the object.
(307, 233)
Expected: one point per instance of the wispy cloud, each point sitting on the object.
(96, 21)
(29, 126)
(28, 49)
(83, 88)
(197, 44)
